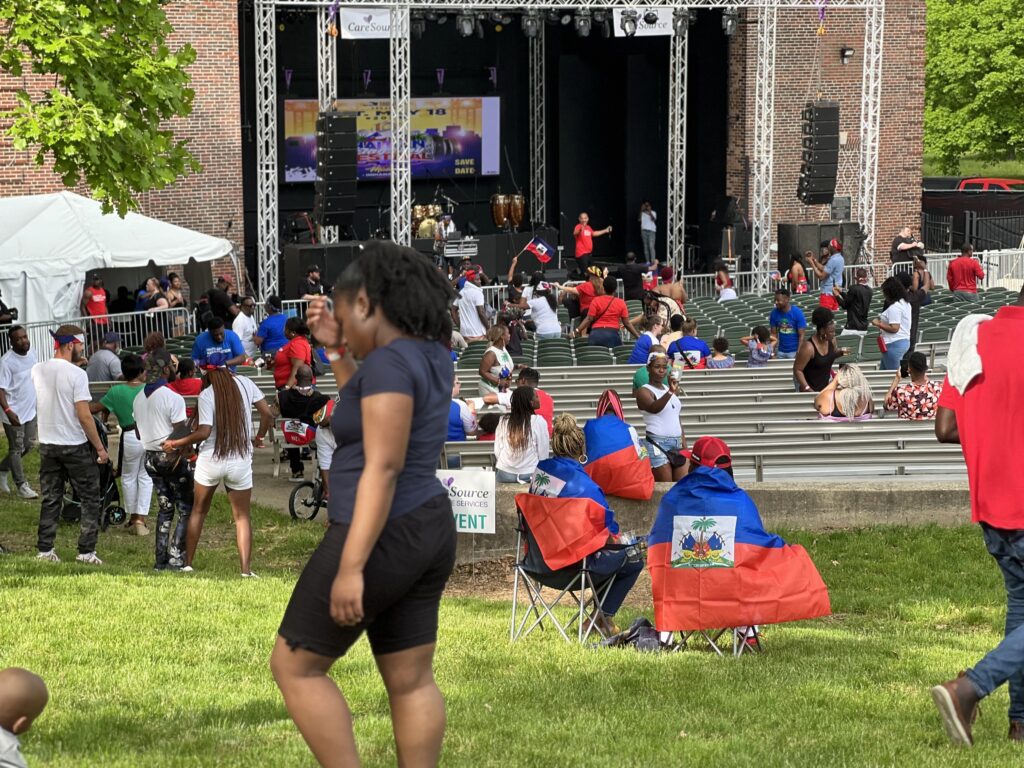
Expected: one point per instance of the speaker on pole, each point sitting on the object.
(336, 140)
(820, 166)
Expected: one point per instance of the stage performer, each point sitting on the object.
(387, 555)
(585, 235)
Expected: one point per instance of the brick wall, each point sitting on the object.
(799, 78)
(204, 201)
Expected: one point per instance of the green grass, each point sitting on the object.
(972, 166)
(151, 669)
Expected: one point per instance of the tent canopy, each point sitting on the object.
(49, 243)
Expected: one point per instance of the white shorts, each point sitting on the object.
(235, 473)
(325, 445)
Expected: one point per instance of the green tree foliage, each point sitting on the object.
(974, 80)
(116, 82)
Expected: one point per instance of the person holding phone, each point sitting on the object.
(385, 559)
(659, 403)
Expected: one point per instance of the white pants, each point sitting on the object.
(136, 484)
(325, 445)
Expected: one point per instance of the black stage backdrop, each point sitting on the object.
(607, 116)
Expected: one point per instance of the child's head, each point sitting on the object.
(23, 698)
(720, 344)
(489, 422)
(186, 368)
(762, 333)
(689, 327)
(676, 323)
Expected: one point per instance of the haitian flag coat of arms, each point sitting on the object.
(713, 566)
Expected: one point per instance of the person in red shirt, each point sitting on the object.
(94, 306)
(187, 384)
(585, 235)
(586, 291)
(963, 274)
(606, 313)
(295, 353)
(982, 409)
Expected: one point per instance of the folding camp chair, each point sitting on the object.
(585, 593)
(744, 640)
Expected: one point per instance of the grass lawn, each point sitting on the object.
(151, 669)
(972, 166)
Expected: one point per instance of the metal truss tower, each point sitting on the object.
(401, 136)
(675, 219)
(538, 130)
(870, 117)
(764, 158)
(266, 148)
(327, 84)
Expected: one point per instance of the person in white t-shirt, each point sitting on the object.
(225, 431)
(521, 440)
(69, 444)
(159, 416)
(472, 316)
(18, 401)
(545, 312)
(244, 325)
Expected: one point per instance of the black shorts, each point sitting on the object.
(403, 581)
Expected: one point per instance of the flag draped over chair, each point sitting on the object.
(566, 530)
(714, 566)
(616, 460)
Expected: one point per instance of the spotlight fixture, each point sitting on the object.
(730, 21)
(606, 28)
(651, 18)
(553, 16)
(680, 19)
(531, 24)
(582, 23)
(566, 20)
(480, 26)
(442, 19)
(417, 25)
(846, 54)
(466, 24)
(628, 22)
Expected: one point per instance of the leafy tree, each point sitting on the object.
(973, 76)
(116, 82)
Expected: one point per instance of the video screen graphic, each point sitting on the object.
(451, 136)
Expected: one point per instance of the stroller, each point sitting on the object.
(111, 511)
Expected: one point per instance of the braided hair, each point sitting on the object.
(411, 293)
(229, 416)
(567, 438)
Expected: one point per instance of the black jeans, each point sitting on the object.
(58, 465)
(174, 491)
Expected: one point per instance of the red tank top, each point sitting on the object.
(97, 303)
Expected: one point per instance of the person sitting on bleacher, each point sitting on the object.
(918, 398)
(521, 440)
(652, 326)
(720, 357)
(461, 419)
(847, 396)
(675, 333)
(690, 352)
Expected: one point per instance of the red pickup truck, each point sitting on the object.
(991, 185)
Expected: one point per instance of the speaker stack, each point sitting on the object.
(336, 141)
(821, 153)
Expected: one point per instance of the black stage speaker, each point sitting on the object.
(800, 238)
(817, 184)
(331, 258)
(336, 142)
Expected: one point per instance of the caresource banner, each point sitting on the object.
(366, 23)
(473, 498)
(663, 26)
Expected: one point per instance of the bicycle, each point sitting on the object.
(307, 498)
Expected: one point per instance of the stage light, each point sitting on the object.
(442, 19)
(480, 26)
(680, 19)
(565, 20)
(730, 21)
(628, 22)
(582, 23)
(417, 26)
(466, 24)
(606, 28)
(531, 24)
(651, 18)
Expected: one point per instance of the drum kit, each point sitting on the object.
(424, 220)
(508, 211)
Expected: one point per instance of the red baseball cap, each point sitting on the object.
(470, 274)
(709, 452)
(835, 244)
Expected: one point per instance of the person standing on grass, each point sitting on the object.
(160, 415)
(386, 557)
(981, 408)
(70, 448)
(131, 460)
(18, 400)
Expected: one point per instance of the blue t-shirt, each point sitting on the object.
(788, 325)
(271, 330)
(833, 273)
(206, 351)
(641, 350)
(691, 348)
(421, 370)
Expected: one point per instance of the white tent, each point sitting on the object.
(48, 244)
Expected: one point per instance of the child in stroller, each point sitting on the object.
(111, 511)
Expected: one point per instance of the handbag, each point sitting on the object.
(882, 346)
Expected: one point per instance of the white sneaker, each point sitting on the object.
(48, 555)
(25, 491)
(249, 575)
(4, 485)
(89, 558)
(186, 569)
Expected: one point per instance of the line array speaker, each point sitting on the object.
(820, 166)
(336, 141)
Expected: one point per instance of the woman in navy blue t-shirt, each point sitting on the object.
(385, 559)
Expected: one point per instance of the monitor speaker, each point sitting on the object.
(297, 258)
(334, 202)
(820, 155)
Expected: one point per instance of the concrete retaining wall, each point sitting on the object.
(806, 505)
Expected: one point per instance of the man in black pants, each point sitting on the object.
(300, 402)
(69, 444)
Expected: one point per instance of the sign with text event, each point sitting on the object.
(663, 26)
(364, 23)
(473, 498)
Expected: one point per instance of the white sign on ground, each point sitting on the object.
(473, 498)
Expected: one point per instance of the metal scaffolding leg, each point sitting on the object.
(675, 218)
(327, 84)
(870, 115)
(764, 114)
(401, 139)
(538, 131)
(266, 148)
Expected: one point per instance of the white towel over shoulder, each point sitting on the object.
(963, 363)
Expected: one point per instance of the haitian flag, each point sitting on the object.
(617, 460)
(713, 566)
(540, 249)
(566, 530)
(564, 478)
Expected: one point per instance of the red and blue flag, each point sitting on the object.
(616, 459)
(564, 478)
(540, 249)
(713, 566)
(566, 530)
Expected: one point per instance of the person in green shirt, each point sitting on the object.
(642, 376)
(136, 484)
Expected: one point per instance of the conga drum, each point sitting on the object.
(516, 210)
(499, 210)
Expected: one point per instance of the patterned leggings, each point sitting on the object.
(173, 492)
